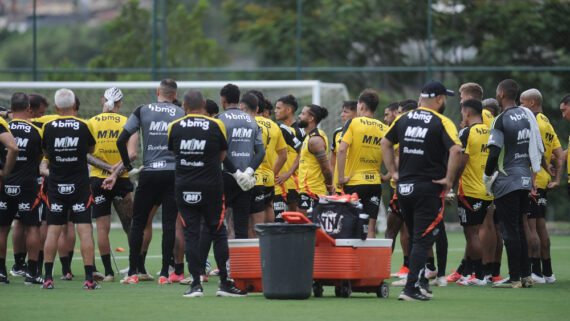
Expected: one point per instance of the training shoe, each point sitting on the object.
(527, 282)
(91, 285)
(508, 285)
(414, 295)
(499, 280)
(228, 288)
(214, 272)
(537, 279)
(549, 279)
(476, 282)
(186, 281)
(48, 285)
(33, 279)
(430, 274)
(98, 276)
(18, 270)
(195, 291)
(496, 278)
(4, 279)
(403, 273)
(208, 267)
(439, 281)
(109, 278)
(400, 282)
(133, 279)
(145, 277)
(454, 276)
(163, 280)
(175, 278)
(67, 277)
(424, 289)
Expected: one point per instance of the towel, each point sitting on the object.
(535, 145)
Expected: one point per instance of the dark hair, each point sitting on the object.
(409, 106)
(473, 104)
(289, 100)
(473, 89)
(266, 105)
(19, 101)
(408, 101)
(168, 88)
(509, 88)
(350, 104)
(211, 107)
(77, 103)
(393, 106)
(193, 99)
(260, 99)
(370, 99)
(250, 101)
(36, 100)
(318, 112)
(231, 93)
(565, 100)
(177, 102)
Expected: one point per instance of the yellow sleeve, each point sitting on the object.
(222, 127)
(451, 130)
(555, 142)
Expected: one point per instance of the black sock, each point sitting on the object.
(486, 269)
(407, 261)
(496, 269)
(468, 269)
(430, 263)
(89, 269)
(20, 259)
(32, 268)
(69, 260)
(179, 268)
(547, 267)
(49, 270)
(107, 264)
(461, 267)
(478, 267)
(64, 265)
(535, 266)
(40, 262)
(3, 267)
(141, 267)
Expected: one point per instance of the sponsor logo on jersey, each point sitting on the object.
(517, 117)
(102, 134)
(65, 142)
(22, 142)
(240, 154)
(192, 144)
(406, 189)
(519, 155)
(79, 207)
(416, 132)
(158, 126)
(237, 117)
(241, 132)
(158, 147)
(99, 199)
(56, 208)
(163, 109)
(548, 137)
(21, 126)
(184, 162)
(159, 164)
(415, 151)
(197, 122)
(66, 188)
(12, 190)
(371, 140)
(523, 136)
(525, 181)
(24, 206)
(112, 117)
(420, 115)
(68, 123)
(192, 197)
(60, 159)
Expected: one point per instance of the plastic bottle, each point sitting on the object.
(363, 220)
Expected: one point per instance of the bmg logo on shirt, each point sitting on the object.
(192, 197)
(68, 123)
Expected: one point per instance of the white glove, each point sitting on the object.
(249, 171)
(243, 180)
(488, 182)
(135, 171)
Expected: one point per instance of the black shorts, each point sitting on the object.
(20, 202)
(471, 211)
(370, 196)
(260, 196)
(537, 205)
(69, 202)
(394, 207)
(196, 203)
(103, 198)
(306, 202)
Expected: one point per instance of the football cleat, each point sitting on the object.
(145, 277)
(98, 276)
(195, 291)
(133, 279)
(18, 270)
(403, 273)
(175, 278)
(414, 295)
(67, 277)
(33, 279)
(48, 285)
(439, 281)
(549, 279)
(91, 285)
(537, 279)
(163, 280)
(228, 288)
(454, 276)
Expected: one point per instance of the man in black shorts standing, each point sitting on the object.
(200, 145)
(66, 142)
(430, 155)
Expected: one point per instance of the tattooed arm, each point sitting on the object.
(318, 148)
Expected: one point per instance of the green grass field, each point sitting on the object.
(149, 301)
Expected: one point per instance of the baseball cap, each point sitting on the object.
(435, 88)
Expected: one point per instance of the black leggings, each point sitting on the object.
(155, 187)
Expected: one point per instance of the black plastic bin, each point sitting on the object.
(287, 255)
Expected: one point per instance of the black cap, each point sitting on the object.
(2, 108)
(473, 103)
(434, 88)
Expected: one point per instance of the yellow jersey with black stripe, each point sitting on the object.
(293, 143)
(311, 178)
(275, 141)
(474, 140)
(551, 142)
(334, 149)
(487, 118)
(4, 128)
(107, 128)
(364, 157)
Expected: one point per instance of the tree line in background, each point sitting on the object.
(335, 33)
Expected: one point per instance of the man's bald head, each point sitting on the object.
(534, 95)
(193, 100)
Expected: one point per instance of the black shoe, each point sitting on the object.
(18, 270)
(4, 279)
(33, 279)
(414, 295)
(228, 288)
(195, 291)
(424, 289)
